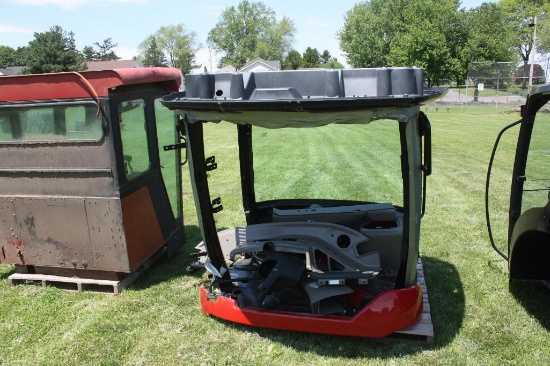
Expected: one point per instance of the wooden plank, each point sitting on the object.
(67, 283)
(424, 328)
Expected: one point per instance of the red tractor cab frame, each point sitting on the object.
(90, 176)
(334, 266)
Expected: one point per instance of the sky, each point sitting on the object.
(129, 22)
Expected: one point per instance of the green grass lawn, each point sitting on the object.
(158, 320)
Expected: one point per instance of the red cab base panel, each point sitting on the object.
(387, 313)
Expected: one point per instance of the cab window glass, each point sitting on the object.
(537, 174)
(50, 123)
(356, 162)
(133, 131)
(166, 134)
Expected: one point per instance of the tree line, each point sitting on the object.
(55, 51)
(437, 35)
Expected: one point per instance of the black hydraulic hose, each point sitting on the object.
(487, 216)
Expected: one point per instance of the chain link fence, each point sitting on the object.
(500, 85)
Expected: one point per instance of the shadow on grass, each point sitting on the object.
(5, 271)
(534, 296)
(447, 303)
(446, 297)
(166, 268)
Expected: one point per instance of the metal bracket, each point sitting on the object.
(211, 163)
(217, 205)
(331, 282)
(181, 145)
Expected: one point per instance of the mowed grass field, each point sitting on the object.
(478, 318)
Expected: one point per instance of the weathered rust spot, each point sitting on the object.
(20, 255)
(29, 221)
(18, 243)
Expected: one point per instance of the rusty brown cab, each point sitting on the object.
(90, 172)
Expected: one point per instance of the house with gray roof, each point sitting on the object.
(259, 64)
(12, 70)
(111, 65)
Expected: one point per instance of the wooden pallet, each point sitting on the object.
(71, 283)
(112, 287)
(424, 329)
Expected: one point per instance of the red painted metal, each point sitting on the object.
(141, 227)
(86, 84)
(387, 313)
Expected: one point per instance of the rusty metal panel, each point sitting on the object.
(107, 234)
(60, 155)
(74, 233)
(10, 240)
(57, 182)
(54, 232)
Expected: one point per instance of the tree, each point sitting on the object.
(325, 57)
(89, 53)
(518, 11)
(248, 31)
(488, 40)
(178, 46)
(8, 56)
(366, 35)
(53, 51)
(543, 36)
(520, 15)
(101, 51)
(333, 64)
(329, 62)
(423, 47)
(539, 76)
(424, 39)
(277, 43)
(311, 58)
(153, 55)
(488, 37)
(425, 33)
(293, 60)
(12, 57)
